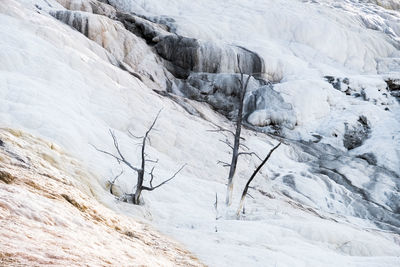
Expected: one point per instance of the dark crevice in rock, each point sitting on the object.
(181, 52)
(6, 177)
(289, 181)
(355, 135)
(24, 163)
(394, 87)
(142, 27)
(74, 203)
(221, 91)
(341, 84)
(256, 62)
(368, 157)
(181, 102)
(167, 22)
(273, 131)
(76, 20)
(126, 68)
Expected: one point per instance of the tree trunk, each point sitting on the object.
(139, 188)
(235, 152)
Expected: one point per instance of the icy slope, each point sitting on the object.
(339, 96)
(49, 215)
(353, 41)
(64, 82)
(294, 37)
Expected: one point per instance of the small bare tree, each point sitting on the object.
(135, 197)
(246, 188)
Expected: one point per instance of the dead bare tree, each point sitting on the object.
(135, 197)
(246, 188)
(236, 144)
(243, 85)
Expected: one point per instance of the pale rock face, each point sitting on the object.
(126, 48)
(91, 6)
(80, 5)
(328, 196)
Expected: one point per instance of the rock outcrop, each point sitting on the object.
(200, 70)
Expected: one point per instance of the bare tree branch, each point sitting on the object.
(112, 182)
(107, 153)
(116, 145)
(248, 194)
(221, 129)
(134, 136)
(135, 198)
(149, 139)
(152, 176)
(244, 146)
(121, 158)
(250, 154)
(152, 160)
(140, 178)
(226, 142)
(246, 188)
(224, 164)
(166, 181)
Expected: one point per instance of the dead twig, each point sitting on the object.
(246, 188)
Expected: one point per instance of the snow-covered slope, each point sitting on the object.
(49, 216)
(300, 42)
(72, 70)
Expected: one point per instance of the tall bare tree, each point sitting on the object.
(243, 85)
(236, 144)
(135, 197)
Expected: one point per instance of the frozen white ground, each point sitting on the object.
(49, 216)
(57, 84)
